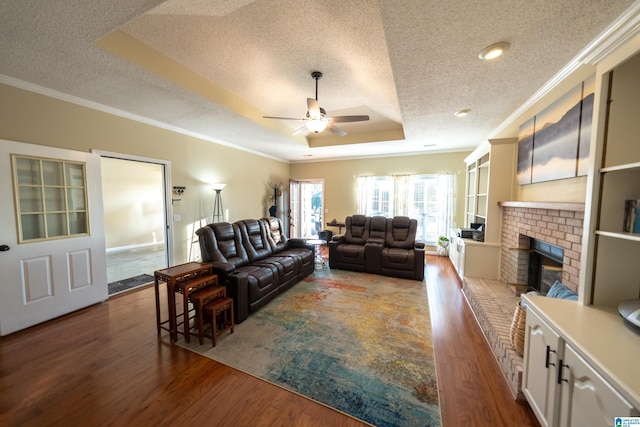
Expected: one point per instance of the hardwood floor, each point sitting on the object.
(105, 365)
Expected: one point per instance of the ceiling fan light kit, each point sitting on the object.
(493, 51)
(317, 120)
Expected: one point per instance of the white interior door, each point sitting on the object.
(53, 254)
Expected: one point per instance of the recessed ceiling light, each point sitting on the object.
(493, 51)
(462, 113)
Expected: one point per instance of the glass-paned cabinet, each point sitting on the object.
(51, 198)
(477, 191)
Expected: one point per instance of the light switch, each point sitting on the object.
(176, 218)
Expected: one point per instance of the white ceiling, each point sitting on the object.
(214, 67)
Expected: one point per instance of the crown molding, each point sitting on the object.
(51, 93)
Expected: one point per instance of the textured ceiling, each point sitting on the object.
(214, 68)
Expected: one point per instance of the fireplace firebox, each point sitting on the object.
(545, 265)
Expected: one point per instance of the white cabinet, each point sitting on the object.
(573, 374)
(586, 398)
(539, 380)
(474, 259)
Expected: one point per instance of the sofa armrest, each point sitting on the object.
(373, 255)
(337, 239)
(297, 243)
(237, 285)
(223, 268)
(418, 244)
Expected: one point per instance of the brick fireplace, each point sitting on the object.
(558, 224)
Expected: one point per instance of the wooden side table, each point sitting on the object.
(200, 298)
(187, 277)
(222, 307)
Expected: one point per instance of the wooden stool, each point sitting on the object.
(200, 298)
(223, 308)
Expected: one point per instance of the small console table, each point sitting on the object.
(340, 226)
(185, 279)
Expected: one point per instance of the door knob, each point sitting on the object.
(4, 248)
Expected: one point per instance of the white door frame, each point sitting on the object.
(168, 223)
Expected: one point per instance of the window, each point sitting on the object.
(427, 198)
(51, 198)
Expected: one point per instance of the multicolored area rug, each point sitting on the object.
(357, 342)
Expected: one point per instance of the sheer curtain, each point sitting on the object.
(445, 196)
(403, 195)
(428, 198)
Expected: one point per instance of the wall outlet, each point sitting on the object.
(176, 218)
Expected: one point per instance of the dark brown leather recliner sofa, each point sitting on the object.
(379, 245)
(255, 260)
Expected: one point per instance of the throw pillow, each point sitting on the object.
(558, 290)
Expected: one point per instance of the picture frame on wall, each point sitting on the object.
(525, 151)
(556, 143)
(586, 120)
(556, 137)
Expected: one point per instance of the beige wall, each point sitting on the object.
(37, 119)
(133, 203)
(340, 177)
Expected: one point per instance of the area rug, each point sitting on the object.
(130, 283)
(357, 342)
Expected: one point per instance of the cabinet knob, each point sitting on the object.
(4, 248)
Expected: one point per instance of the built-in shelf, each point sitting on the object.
(627, 236)
(627, 167)
(561, 206)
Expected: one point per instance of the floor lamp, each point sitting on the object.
(218, 212)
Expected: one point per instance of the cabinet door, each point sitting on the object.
(587, 399)
(539, 383)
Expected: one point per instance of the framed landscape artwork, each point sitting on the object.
(555, 144)
(525, 151)
(588, 95)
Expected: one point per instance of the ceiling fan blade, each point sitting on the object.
(347, 119)
(335, 130)
(301, 131)
(280, 118)
(314, 108)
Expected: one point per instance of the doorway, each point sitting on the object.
(306, 203)
(135, 218)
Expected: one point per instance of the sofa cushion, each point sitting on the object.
(356, 229)
(378, 229)
(221, 243)
(254, 239)
(401, 232)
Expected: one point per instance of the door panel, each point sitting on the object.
(44, 279)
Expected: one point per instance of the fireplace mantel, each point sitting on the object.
(561, 206)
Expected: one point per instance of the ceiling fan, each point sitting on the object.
(316, 120)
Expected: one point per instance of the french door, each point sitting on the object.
(306, 205)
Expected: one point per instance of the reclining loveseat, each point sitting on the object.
(379, 245)
(254, 260)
